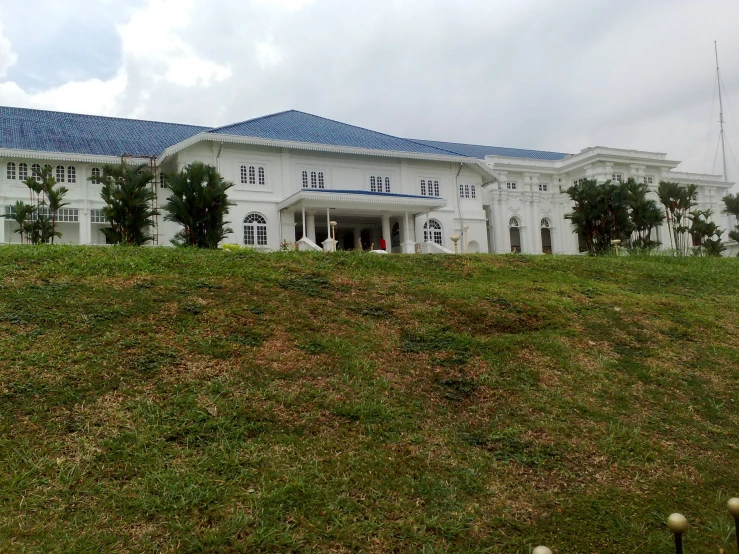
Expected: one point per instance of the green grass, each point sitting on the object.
(162, 400)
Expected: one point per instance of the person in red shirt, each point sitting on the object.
(383, 244)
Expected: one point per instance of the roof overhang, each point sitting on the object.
(68, 156)
(362, 200)
(256, 141)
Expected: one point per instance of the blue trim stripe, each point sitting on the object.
(369, 193)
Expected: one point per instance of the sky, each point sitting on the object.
(557, 75)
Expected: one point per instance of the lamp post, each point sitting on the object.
(678, 525)
(455, 240)
(733, 506)
(333, 232)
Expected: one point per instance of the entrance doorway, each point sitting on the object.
(514, 226)
(546, 236)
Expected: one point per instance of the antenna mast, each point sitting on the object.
(721, 112)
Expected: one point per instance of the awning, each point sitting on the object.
(362, 200)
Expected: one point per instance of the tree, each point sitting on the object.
(199, 203)
(705, 234)
(21, 214)
(732, 208)
(128, 195)
(49, 200)
(645, 215)
(677, 201)
(600, 214)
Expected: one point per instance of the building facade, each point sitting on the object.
(316, 184)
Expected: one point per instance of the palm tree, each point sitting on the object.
(199, 203)
(644, 213)
(128, 196)
(55, 196)
(21, 213)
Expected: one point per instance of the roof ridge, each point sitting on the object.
(214, 129)
(424, 141)
(105, 117)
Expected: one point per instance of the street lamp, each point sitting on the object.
(733, 506)
(617, 245)
(678, 525)
(333, 232)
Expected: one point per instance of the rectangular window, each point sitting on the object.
(474, 193)
(97, 216)
(511, 185)
(262, 177)
(617, 177)
(423, 187)
(261, 235)
(543, 187)
(71, 174)
(430, 187)
(649, 180)
(461, 191)
(244, 175)
(387, 184)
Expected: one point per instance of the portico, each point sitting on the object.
(361, 219)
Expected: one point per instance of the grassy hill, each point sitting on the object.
(171, 400)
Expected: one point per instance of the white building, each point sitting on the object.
(294, 173)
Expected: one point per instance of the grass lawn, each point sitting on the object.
(169, 400)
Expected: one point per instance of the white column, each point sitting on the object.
(311, 226)
(386, 232)
(84, 226)
(2, 224)
(304, 224)
(287, 221)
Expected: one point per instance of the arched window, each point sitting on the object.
(546, 236)
(423, 187)
(545, 223)
(22, 171)
(60, 174)
(435, 232)
(321, 183)
(11, 170)
(313, 180)
(474, 192)
(387, 184)
(36, 172)
(373, 184)
(95, 173)
(255, 230)
(262, 179)
(515, 234)
(244, 173)
(71, 174)
(305, 179)
(252, 175)
(436, 187)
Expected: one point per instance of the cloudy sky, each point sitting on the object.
(559, 75)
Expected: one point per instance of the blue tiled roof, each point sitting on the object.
(479, 151)
(298, 126)
(370, 193)
(46, 131)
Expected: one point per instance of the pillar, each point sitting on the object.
(386, 232)
(311, 221)
(304, 223)
(84, 226)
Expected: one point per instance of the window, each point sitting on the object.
(467, 191)
(429, 187)
(544, 224)
(694, 197)
(435, 232)
(387, 184)
(95, 173)
(162, 180)
(543, 187)
(22, 171)
(36, 171)
(649, 180)
(514, 222)
(512, 185)
(262, 179)
(321, 183)
(255, 230)
(244, 173)
(11, 170)
(461, 191)
(305, 179)
(617, 177)
(474, 191)
(252, 175)
(71, 174)
(60, 174)
(578, 181)
(313, 180)
(97, 216)
(376, 183)
(373, 184)
(68, 215)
